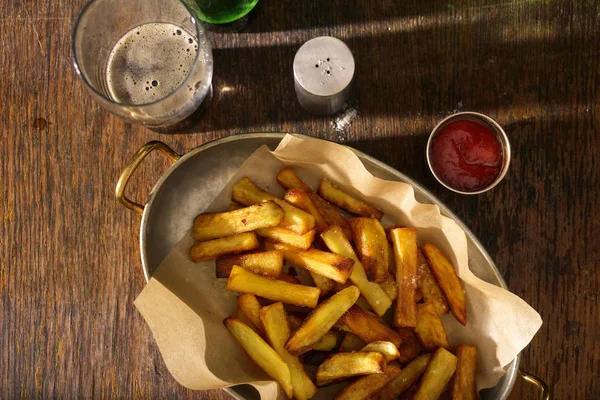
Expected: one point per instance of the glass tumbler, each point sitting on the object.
(147, 61)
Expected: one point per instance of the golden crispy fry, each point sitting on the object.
(247, 193)
(327, 342)
(251, 307)
(463, 386)
(329, 265)
(325, 284)
(261, 353)
(269, 244)
(295, 320)
(375, 295)
(410, 347)
(404, 243)
(223, 246)
(371, 246)
(390, 287)
(388, 349)
(209, 226)
(367, 386)
(321, 320)
(430, 330)
(288, 278)
(448, 281)
(340, 366)
(277, 330)
(244, 281)
(362, 303)
(336, 196)
(439, 371)
(287, 236)
(429, 287)
(351, 342)
(331, 215)
(268, 263)
(239, 314)
(366, 326)
(410, 374)
(418, 293)
(301, 199)
(234, 206)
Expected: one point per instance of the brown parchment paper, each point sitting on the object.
(184, 304)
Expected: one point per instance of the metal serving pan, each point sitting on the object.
(197, 177)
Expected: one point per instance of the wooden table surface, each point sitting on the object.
(70, 266)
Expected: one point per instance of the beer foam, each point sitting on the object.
(150, 62)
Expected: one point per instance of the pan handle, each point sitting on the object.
(540, 384)
(132, 165)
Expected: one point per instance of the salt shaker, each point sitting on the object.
(323, 73)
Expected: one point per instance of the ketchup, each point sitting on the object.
(466, 155)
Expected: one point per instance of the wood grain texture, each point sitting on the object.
(69, 260)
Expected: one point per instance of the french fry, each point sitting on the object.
(368, 327)
(239, 314)
(269, 244)
(209, 226)
(288, 278)
(336, 196)
(223, 246)
(250, 306)
(351, 342)
(277, 330)
(429, 330)
(409, 394)
(340, 366)
(371, 246)
(429, 287)
(329, 265)
(375, 295)
(390, 287)
(439, 371)
(418, 293)
(332, 216)
(362, 303)
(279, 234)
(367, 386)
(327, 342)
(404, 244)
(234, 206)
(463, 386)
(410, 347)
(448, 281)
(388, 349)
(321, 320)
(247, 193)
(325, 284)
(410, 374)
(261, 353)
(268, 263)
(300, 199)
(244, 281)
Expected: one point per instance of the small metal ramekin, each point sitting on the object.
(485, 120)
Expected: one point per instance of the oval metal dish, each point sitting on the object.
(196, 178)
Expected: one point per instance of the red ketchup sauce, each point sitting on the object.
(466, 155)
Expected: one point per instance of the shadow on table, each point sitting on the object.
(269, 16)
(493, 60)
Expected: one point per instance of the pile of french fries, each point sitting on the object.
(375, 297)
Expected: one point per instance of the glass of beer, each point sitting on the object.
(147, 61)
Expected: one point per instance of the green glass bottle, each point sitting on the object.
(221, 11)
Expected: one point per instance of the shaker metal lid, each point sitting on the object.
(323, 72)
